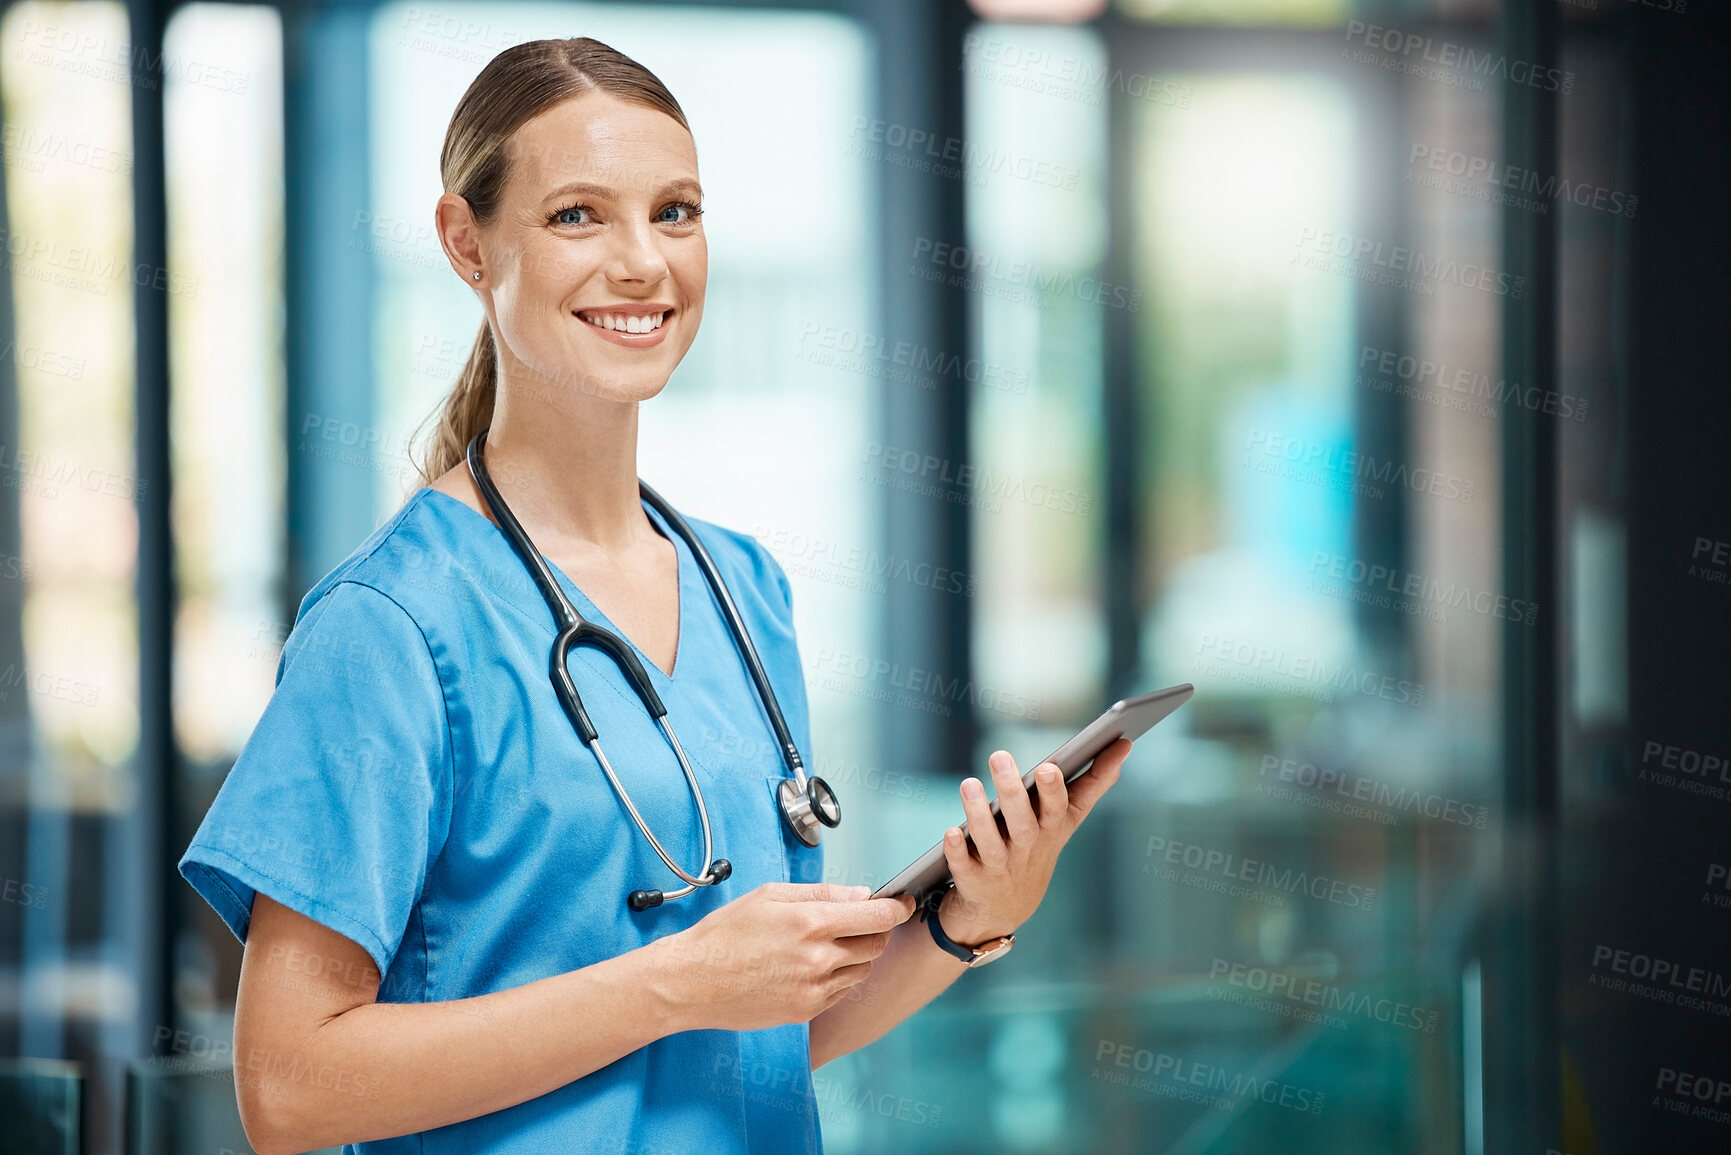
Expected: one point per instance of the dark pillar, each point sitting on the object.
(919, 47)
(1522, 1045)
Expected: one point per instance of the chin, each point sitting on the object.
(615, 380)
(638, 386)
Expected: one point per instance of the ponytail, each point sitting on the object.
(467, 411)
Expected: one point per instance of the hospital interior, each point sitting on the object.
(1359, 362)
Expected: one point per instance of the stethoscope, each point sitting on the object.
(807, 803)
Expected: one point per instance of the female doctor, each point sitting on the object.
(429, 867)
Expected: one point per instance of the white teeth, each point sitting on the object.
(626, 324)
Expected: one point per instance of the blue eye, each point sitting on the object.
(692, 212)
(566, 216)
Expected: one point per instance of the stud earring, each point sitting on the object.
(477, 274)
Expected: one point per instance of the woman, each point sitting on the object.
(425, 862)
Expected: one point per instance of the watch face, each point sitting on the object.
(998, 950)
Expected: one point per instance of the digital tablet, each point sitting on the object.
(1126, 718)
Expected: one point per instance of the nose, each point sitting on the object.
(637, 254)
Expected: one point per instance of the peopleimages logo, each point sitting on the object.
(1175, 1076)
(1352, 787)
(925, 690)
(1335, 463)
(961, 479)
(1399, 259)
(1717, 558)
(975, 160)
(1480, 66)
(1660, 980)
(1327, 996)
(1685, 1093)
(1496, 174)
(1684, 769)
(1064, 76)
(788, 1089)
(1258, 873)
(973, 264)
(807, 554)
(839, 347)
(1311, 677)
(1455, 387)
(1376, 579)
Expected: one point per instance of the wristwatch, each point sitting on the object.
(972, 955)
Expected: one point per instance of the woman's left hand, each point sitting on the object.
(1000, 882)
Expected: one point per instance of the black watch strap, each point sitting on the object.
(968, 954)
(950, 946)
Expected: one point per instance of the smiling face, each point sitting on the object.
(596, 262)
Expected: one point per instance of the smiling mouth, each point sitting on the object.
(624, 322)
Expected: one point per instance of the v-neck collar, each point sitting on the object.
(587, 608)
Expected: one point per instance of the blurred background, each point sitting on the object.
(1360, 363)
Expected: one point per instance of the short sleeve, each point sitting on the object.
(341, 798)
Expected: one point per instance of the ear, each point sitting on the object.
(459, 236)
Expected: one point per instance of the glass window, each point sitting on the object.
(69, 672)
(1037, 227)
(224, 166)
(1246, 12)
(222, 121)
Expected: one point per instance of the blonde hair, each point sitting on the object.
(515, 87)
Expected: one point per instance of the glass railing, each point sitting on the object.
(1246, 1060)
(41, 1107)
(184, 1103)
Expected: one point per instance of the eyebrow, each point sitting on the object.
(585, 188)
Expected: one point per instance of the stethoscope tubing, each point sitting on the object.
(747, 651)
(574, 630)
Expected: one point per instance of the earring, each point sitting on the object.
(477, 274)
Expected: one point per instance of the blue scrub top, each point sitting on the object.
(415, 786)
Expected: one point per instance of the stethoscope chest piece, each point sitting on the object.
(808, 811)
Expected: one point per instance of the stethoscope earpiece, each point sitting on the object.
(641, 900)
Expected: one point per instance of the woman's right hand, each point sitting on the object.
(783, 953)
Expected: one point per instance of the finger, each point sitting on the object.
(962, 863)
(1013, 802)
(1054, 796)
(908, 903)
(814, 892)
(844, 977)
(845, 919)
(862, 947)
(982, 824)
(1096, 780)
(850, 986)
(1117, 752)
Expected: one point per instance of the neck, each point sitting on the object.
(566, 463)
